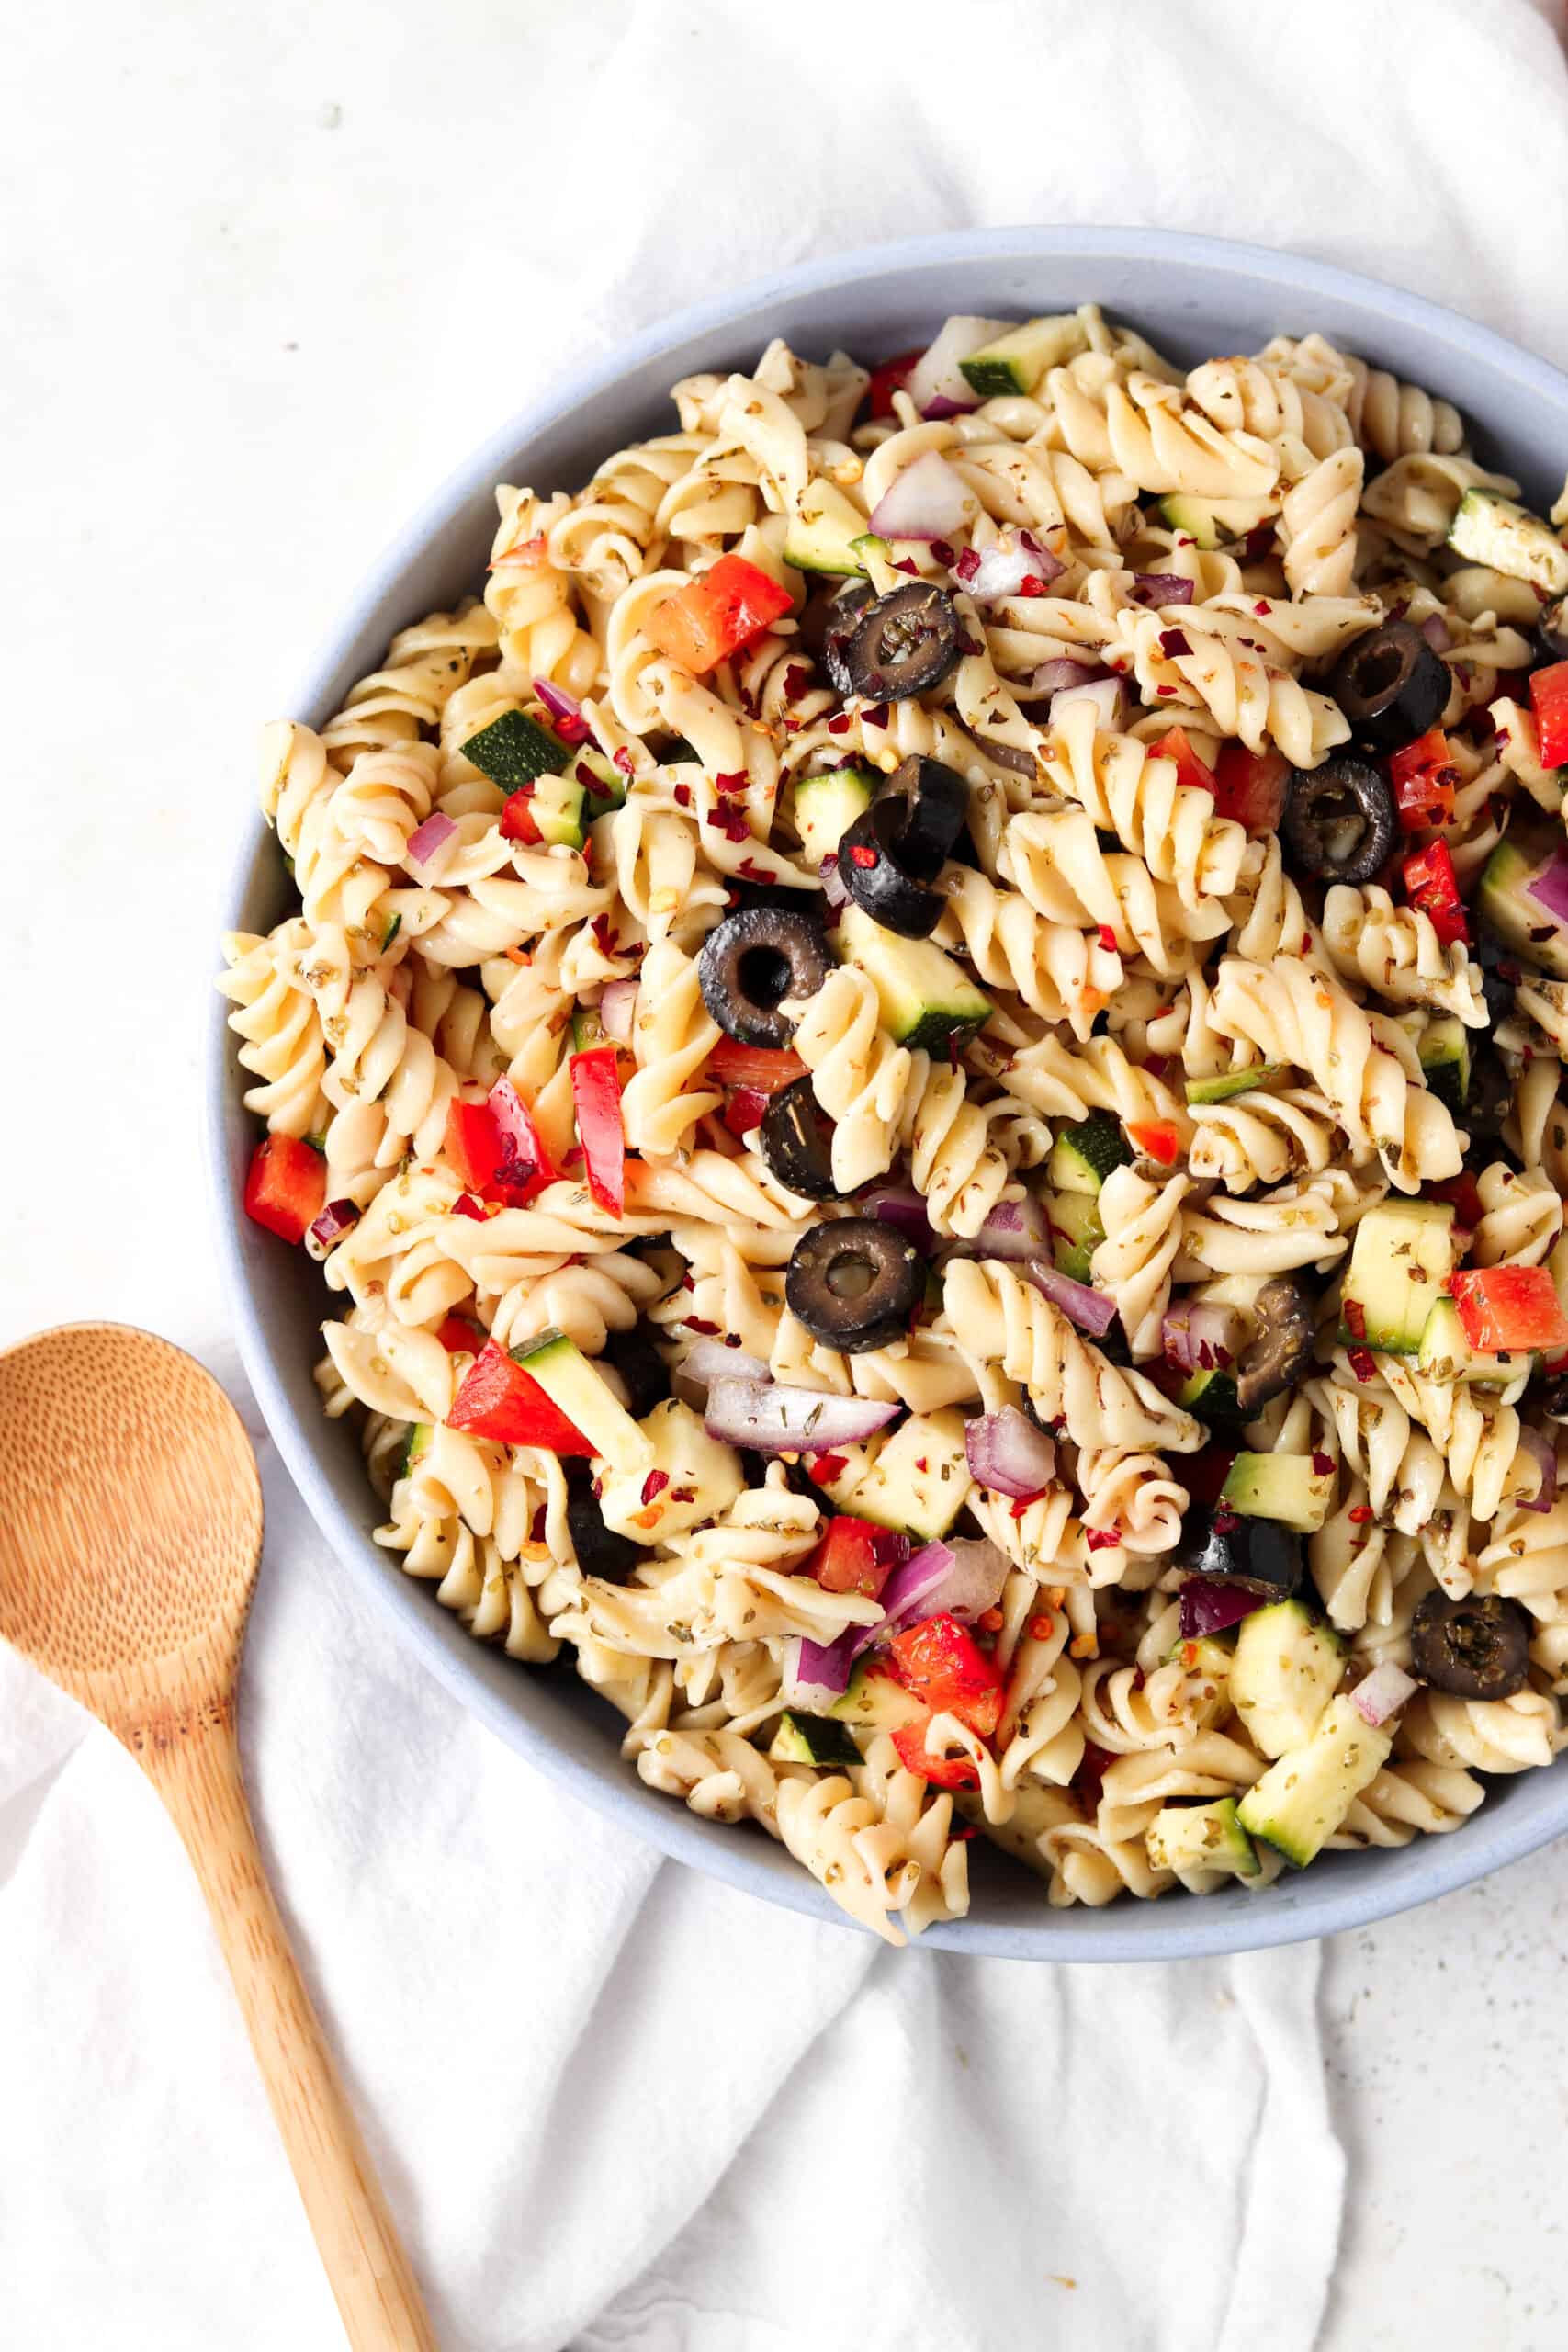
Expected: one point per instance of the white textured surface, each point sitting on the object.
(266, 274)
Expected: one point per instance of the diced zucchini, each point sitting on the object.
(514, 750)
(925, 998)
(1211, 1394)
(1210, 522)
(579, 1388)
(704, 1475)
(1231, 1084)
(1075, 1231)
(1286, 1668)
(1446, 1354)
(1083, 1155)
(812, 1739)
(826, 807)
(416, 1446)
(1195, 1840)
(920, 1480)
(588, 1029)
(1302, 1799)
(556, 805)
(1208, 1659)
(823, 529)
(874, 1698)
(1503, 903)
(1279, 1485)
(1016, 362)
(1403, 1254)
(1444, 1048)
(1497, 531)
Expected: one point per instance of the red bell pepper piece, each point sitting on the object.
(890, 378)
(498, 1399)
(517, 817)
(761, 1069)
(743, 1110)
(1251, 787)
(460, 1336)
(1189, 768)
(1431, 885)
(286, 1186)
(1505, 1308)
(856, 1556)
(1423, 776)
(596, 1092)
(472, 1144)
(702, 624)
(942, 1771)
(1158, 1138)
(948, 1671)
(1548, 700)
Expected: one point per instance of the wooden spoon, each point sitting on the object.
(130, 1527)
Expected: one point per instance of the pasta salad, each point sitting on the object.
(923, 1058)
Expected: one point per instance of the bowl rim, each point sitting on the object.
(1125, 1930)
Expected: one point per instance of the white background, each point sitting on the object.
(268, 272)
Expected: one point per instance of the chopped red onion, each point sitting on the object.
(707, 1361)
(1104, 692)
(936, 376)
(927, 501)
(1008, 1455)
(557, 701)
(999, 570)
(775, 1420)
(900, 1205)
(616, 1008)
(1384, 1690)
(905, 1595)
(816, 1673)
(1091, 1310)
(1014, 1229)
(1540, 1446)
(1157, 588)
(1052, 677)
(425, 845)
(336, 1220)
(1197, 1338)
(1549, 889)
(834, 888)
(1208, 1606)
(1436, 631)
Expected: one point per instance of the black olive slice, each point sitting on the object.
(1554, 1400)
(795, 1138)
(752, 962)
(1256, 1553)
(1551, 630)
(900, 646)
(855, 1283)
(933, 804)
(873, 874)
(1490, 1098)
(1390, 686)
(1477, 1648)
(841, 618)
(647, 1375)
(1340, 821)
(600, 1551)
(1282, 1350)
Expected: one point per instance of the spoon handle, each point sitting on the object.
(198, 1776)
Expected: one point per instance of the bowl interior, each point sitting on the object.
(1194, 297)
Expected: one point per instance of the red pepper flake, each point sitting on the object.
(465, 1205)
(1355, 1316)
(1362, 1364)
(1105, 1539)
(571, 729)
(622, 759)
(906, 563)
(536, 1526)
(1225, 1523)
(682, 795)
(1157, 1064)
(1108, 939)
(1323, 1465)
(874, 715)
(824, 1468)
(797, 680)
(1032, 584)
(1165, 690)
(604, 938)
(1263, 608)
(967, 644)
(654, 1485)
(839, 723)
(968, 563)
(585, 776)
(862, 854)
(1173, 642)
(706, 1331)
(922, 1465)
(1024, 1502)
(943, 552)
(729, 821)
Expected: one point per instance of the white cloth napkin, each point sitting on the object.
(297, 266)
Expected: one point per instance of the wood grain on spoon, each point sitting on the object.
(130, 1526)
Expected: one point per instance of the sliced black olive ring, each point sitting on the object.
(1282, 1350)
(1256, 1553)
(1490, 1097)
(600, 1551)
(642, 1369)
(1339, 820)
(855, 1283)
(932, 801)
(901, 645)
(873, 874)
(843, 616)
(1390, 686)
(795, 1138)
(1551, 630)
(1477, 1648)
(754, 961)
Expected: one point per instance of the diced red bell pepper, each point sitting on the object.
(702, 624)
(286, 1186)
(890, 378)
(498, 1399)
(1424, 777)
(942, 1771)
(1160, 1138)
(856, 1556)
(946, 1669)
(517, 817)
(743, 1111)
(1251, 787)
(472, 1142)
(596, 1092)
(1505, 1308)
(1431, 885)
(1548, 700)
(460, 1336)
(1189, 768)
(761, 1069)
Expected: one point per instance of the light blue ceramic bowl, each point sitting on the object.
(1193, 297)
